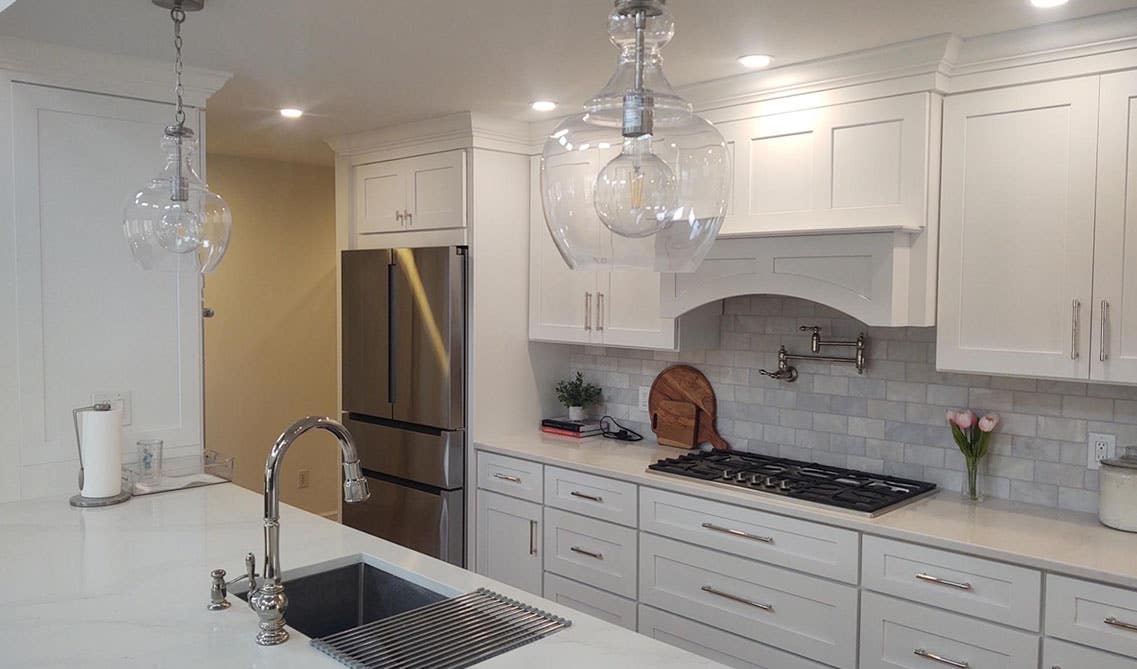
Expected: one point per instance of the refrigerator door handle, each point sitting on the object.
(391, 359)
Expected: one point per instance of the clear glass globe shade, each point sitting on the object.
(177, 229)
(636, 193)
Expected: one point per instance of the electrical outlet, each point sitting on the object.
(118, 400)
(644, 392)
(304, 478)
(1101, 447)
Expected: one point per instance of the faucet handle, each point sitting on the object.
(218, 591)
(251, 570)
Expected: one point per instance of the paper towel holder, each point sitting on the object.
(88, 502)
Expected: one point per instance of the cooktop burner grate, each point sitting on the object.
(861, 492)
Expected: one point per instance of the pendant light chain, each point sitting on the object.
(178, 15)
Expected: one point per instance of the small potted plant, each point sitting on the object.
(972, 436)
(576, 395)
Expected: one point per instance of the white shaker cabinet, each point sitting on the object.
(509, 541)
(1017, 230)
(1114, 307)
(601, 308)
(411, 194)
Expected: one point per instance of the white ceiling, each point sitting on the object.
(360, 64)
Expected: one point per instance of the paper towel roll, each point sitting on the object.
(101, 443)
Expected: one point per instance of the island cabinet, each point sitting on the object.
(757, 589)
(1036, 267)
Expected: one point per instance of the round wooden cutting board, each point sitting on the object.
(675, 387)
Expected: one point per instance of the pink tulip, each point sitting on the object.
(952, 414)
(965, 419)
(989, 422)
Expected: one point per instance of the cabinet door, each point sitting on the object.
(854, 167)
(380, 197)
(628, 308)
(436, 191)
(1114, 348)
(1017, 225)
(508, 541)
(562, 301)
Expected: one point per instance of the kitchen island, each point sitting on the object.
(127, 586)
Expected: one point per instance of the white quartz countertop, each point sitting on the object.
(1060, 541)
(127, 585)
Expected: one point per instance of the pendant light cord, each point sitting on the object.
(178, 15)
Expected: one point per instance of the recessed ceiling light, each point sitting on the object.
(755, 61)
(1045, 4)
(544, 105)
(291, 112)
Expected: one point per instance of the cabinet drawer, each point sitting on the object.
(1079, 611)
(818, 549)
(591, 551)
(896, 633)
(978, 587)
(795, 612)
(715, 644)
(586, 599)
(1061, 655)
(510, 476)
(596, 496)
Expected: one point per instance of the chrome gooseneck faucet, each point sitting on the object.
(267, 598)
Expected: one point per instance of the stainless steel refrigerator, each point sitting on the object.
(404, 393)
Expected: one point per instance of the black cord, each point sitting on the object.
(613, 430)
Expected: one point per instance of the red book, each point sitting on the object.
(567, 433)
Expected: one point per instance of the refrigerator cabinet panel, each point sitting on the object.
(366, 332)
(434, 459)
(427, 522)
(429, 336)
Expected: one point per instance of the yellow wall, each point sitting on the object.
(270, 350)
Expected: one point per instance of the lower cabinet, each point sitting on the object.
(1061, 655)
(896, 633)
(593, 601)
(508, 541)
(720, 646)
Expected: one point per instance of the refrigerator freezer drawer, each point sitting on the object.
(427, 522)
(435, 458)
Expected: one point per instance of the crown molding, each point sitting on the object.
(79, 69)
(463, 130)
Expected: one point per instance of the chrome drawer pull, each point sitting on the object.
(738, 533)
(532, 537)
(943, 581)
(1123, 625)
(736, 598)
(1075, 329)
(507, 477)
(592, 498)
(583, 551)
(941, 659)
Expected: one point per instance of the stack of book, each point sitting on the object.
(571, 428)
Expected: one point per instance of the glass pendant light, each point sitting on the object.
(636, 180)
(175, 223)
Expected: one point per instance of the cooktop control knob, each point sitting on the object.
(770, 482)
(784, 485)
(740, 477)
(726, 474)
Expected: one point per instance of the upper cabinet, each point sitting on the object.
(854, 167)
(1037, 271)
(615, 308)
(422, 193)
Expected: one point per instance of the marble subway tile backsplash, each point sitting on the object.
(889, 420)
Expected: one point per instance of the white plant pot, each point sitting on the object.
(576, 413)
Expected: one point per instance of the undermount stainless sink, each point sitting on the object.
(344, 596)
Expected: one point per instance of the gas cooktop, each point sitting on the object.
(860, 492)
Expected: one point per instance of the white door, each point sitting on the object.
(1114, 344)
(509, 541)
(89, 319)
(628, 307)
(436, 191)
(1017, 225)
(562, 301)
(380, 197)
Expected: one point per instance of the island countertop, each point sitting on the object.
(127, 585)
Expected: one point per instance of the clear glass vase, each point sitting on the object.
(972, 480)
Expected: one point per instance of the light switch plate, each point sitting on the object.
(119, 399)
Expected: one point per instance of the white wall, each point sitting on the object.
(76, 315)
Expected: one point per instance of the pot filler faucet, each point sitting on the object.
(267, 598)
